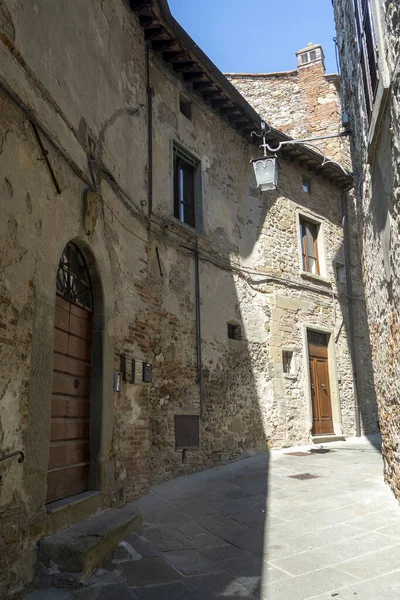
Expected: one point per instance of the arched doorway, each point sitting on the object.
(68, 470)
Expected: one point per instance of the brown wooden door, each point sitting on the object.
(69, 440)
(320, 389)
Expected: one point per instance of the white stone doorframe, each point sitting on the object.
(333, 378)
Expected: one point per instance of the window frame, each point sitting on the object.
(368, 54)
(304, 222)
(183, 162)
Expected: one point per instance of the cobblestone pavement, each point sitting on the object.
(315, 522)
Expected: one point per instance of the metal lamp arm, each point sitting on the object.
(265, 129)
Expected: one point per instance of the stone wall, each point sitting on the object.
(93, 124)
(301, 103)
(375, 153)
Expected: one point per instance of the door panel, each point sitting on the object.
(69, 439)
(320, 391)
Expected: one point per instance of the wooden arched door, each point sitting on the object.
(68, 468)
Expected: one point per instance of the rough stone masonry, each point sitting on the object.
(78, 174)
(375, 145)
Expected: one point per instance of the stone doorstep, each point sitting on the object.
(77, 551)
(329, 437)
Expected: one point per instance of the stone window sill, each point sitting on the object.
(290, 376)
(177, 223)
(315, 278)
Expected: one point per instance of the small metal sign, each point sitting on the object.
(117, 381)
(137, 368)
(147, 372)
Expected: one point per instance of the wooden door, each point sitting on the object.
(320, 389)
(68, 468)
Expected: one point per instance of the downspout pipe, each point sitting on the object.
(344, 200)
(198, 327)
(149, 132)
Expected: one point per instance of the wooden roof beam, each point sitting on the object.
(172, 55)
(160, 45)
(203, 85)
(154, 33)
(193, 75)
(183, 65)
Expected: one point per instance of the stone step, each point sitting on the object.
(328, 437)
(77, 551)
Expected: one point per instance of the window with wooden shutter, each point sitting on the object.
(309, 246)
(367, 51)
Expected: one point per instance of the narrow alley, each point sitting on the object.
(314, 522)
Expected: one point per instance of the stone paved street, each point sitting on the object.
(250, 530)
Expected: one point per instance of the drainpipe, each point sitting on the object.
(149, 132)
(198, 326)
(351, 308)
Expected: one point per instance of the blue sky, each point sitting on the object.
(257, 35)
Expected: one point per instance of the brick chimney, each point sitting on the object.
(311, 56)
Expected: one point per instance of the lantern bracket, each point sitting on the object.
(266, 129)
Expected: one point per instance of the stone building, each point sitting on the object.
(159, 314)
(368, 36)
(304, 102)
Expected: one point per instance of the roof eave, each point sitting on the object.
(162, 29)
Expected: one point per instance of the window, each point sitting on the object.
(313, 55)
(234, 332)
(185, 176)
(304, 58)
(309, 246)
(306, 183)
(185, 106)
(367, 51)
(288, 362)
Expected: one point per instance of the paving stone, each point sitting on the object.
(148, 571)
(165, 513)
(374, 564)
(100, 591)
(218, 586)
(140, 545)
(165, 538)
(223, 552)
(274, 550)
(385, 587)
(170, 591)
(333, 553)
(207, 540)
(190, 529)
(250, 540)
(227, 506)
(306, 553)
(305, 586)
(249, 565)
(190, 562)
(316, 539)
(378, 520)
(392, 531)
(51, 594)
(195, 507)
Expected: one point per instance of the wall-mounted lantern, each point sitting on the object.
(265, 168)
(266, 172)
